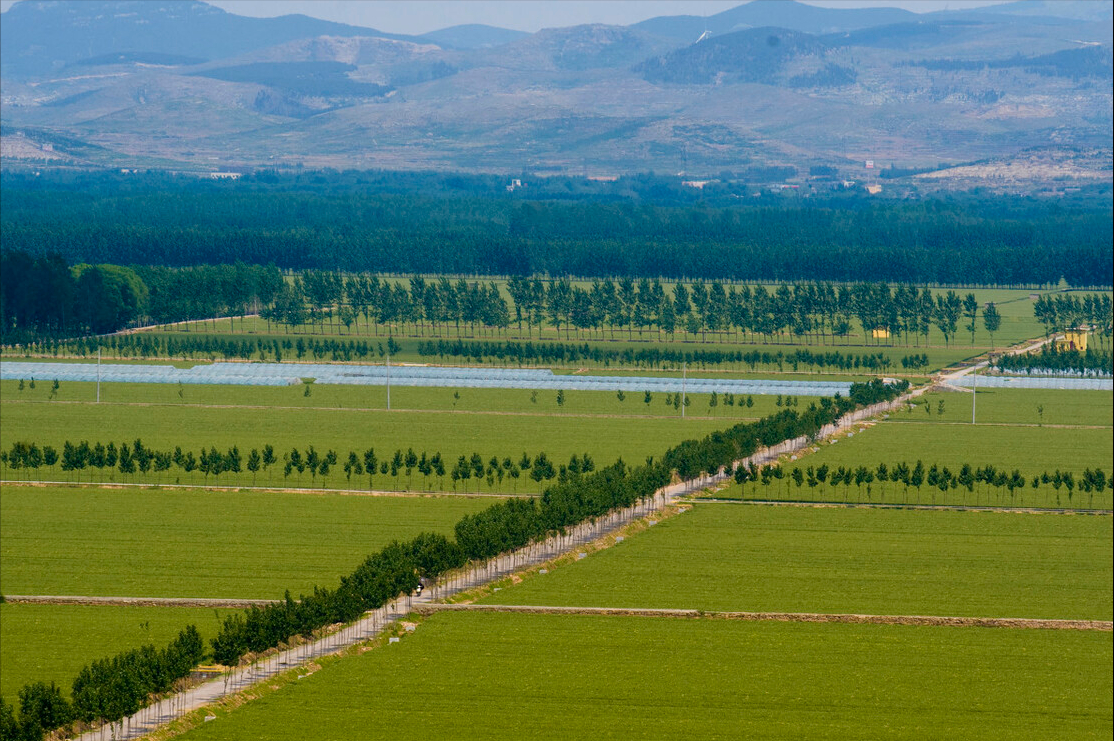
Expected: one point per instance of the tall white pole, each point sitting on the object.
(98, 375)
(974, 395)
(388, 380)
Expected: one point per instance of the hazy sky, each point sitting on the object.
(422, 16)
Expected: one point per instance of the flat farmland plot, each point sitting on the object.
(1016, 406)
(333, 397)
(182, 543)
(838, 560)
(52, 642)
(451, 434)
(1031, 450)
(482, 676)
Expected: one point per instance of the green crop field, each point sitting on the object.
(451, 433)
(52, 642)
(1016, 406)
(483, 676)
(182, 543)
(403, 398)
(1031, 450)
(809, 559)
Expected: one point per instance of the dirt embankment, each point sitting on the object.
(791, 617)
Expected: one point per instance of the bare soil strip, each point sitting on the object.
(47, 599)
(1002, 424)
(786, 617)
(891, 505)
(400, 410)
(272, 489)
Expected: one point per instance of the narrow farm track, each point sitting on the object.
(46, 599)
(1004, 424)
(393, 410)
(267, 489)
(785, 617)
(883, 505)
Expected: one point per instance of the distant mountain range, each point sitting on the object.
(1018, 93)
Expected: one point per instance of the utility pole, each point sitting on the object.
(98, 375)
(388, 380)
(974, 395)
(683, 374)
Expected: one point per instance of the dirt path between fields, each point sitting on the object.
(1000, 424)
(399, 410)
(885, 505)
(47, 599)
(785, 617)
(265, 489)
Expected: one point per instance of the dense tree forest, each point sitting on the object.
(43, 296)
(479, 231)
(56, 300)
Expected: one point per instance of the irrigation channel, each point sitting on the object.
(290, 374)
(373, 623)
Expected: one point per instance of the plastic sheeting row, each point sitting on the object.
(282, 374)
(1030, 382)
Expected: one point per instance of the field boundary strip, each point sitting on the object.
(785, 617)
(265, 489)
(889, 505)
(87, 601)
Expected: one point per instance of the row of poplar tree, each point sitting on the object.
(818, 311)
(1066, 311)
(1088, 362)
(398, 568)
(937, 477)
(503, 352)
(137, 458)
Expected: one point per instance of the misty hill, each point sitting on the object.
(473, 36)
(1085, 10)
(38, 36)
(776, 13)
(756, 55)
(326, 79)
(778, 92)
(574, 48)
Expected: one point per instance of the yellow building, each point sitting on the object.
(1074, 339)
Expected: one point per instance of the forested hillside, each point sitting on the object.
(970, 242)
